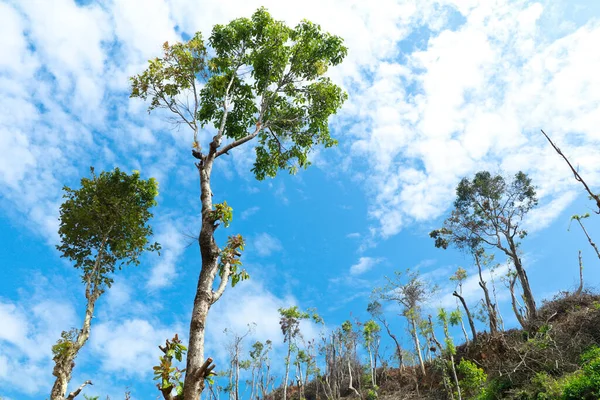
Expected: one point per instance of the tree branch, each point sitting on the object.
(237, 143)
(223, 284)
(575, 173)
(74, 393)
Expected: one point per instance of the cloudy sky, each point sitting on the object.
(438, 89)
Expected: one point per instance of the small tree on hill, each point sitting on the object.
(256, 82)
(489, 211)
(103, 227)
(459, 277)
(410, 296)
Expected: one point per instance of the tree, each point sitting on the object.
(450, 348)
(488, 210)
(103, 227)
(371, 338)
(263, 82)
(410, 296)
(374, 308)
(234, 349)
(289, 322)
(459, 277)
(261, 369)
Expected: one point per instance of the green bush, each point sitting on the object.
(472, 380)
(372, 394)
(585, 384)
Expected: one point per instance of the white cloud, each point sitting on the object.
(364, 264)
(173, 243)
(26, 338)
(264, 244)
(129, 347)
(247, 213)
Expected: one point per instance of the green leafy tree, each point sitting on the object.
(103, 227)
(256, 81)
(489, 211)
(371, 339)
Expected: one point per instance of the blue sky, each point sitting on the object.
(439, 89)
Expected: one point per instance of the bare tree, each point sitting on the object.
(410, 296)
(459, 277)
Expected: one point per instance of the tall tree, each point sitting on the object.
(103, 227)
(488, 210)
(256, 82)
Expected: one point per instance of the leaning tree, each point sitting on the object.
(489, 211)
(256, 84)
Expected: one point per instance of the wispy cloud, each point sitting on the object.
(364, 264)
(247, 213)
(264, 244)
(173, 243)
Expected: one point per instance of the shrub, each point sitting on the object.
(585, 384)
(473, 379)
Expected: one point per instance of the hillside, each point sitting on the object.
(559, 360)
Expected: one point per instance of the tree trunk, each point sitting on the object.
(209, 251)
(580, 288)
(350, 386)
(66, 362)
(287, 368)
(527, 293)
(395, 339)
(469, 317)
(415, 335)
(520, 318)
(491, 309)
(464, 330)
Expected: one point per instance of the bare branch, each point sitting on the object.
(237, 143)
(575, 173)
(74, 393)
(223, 284)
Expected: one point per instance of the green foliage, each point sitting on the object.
(290, 318)
(455, 318)
(230, 255)
(64, 345)
(165, 372)
(372, 394)
(485, 206)
(103, 224)
(224, 213)
(472, 380)
(271, 73)
(585, 384)
(370, 331)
